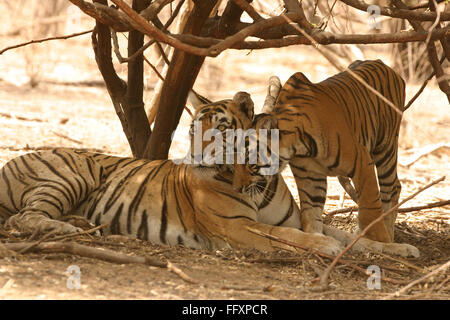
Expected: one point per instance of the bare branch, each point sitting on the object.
(45, 39)
(435, 23)
(403, 13)
(251, 30)
(152, 11)
(400, 210)
(146, 28)
(423, 85)
(442, 267)
(106, 15)
(422, 5)
(273, 29)
(323, 38)
(244, 5)
(432, 53)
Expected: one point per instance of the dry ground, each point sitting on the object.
(61, 112)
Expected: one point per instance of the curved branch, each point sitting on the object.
(398, 13)
(323, 38)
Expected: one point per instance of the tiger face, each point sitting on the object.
(213, 126)
(273, 154)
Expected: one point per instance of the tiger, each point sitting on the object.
(337, 127)
(164, 202)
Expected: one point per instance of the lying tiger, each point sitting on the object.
(338, 128)
(160, 201)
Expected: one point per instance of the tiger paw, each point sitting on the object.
(327, 245)
(36, 223)
(400, 249)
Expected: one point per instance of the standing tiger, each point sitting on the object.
(338, 128)
(160, 201)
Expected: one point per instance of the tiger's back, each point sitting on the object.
(342, 106)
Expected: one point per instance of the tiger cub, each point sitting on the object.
(338, 128)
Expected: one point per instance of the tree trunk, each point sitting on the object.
(181, 75)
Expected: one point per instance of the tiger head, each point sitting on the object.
(212, 123)
(276, 147)
(264, 159)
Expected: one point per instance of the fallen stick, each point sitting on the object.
(400, 210)
(327, 271)
(51, 233)
(66, 137)
(97, 253)
(423, 152)
(443, 267)
(85, 251)
(7, 115)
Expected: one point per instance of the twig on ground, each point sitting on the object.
(40, 148)
(296, 245)
(97, 253)
(402, 261)
(423, 152)
(45, 39)
(66, 137)
(442, 268)
(400, 210)
(326, 274)
(7, 115)
(52, 233)
(34, 244)
(172, 268)
(89, 231)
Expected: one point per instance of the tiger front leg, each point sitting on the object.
(369, 201)
(312, 190)
(242, 233)
(364, 244)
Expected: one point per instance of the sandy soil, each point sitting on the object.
(61, 111)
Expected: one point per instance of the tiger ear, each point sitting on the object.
(267, 122)
(196, 100)
(245, 103)
(273, 91)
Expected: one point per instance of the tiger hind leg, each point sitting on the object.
(40, 188)
(44, 205)
(390, 187)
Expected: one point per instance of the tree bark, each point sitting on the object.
(181, 75)
(134, 108)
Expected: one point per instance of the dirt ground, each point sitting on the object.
(69, 107)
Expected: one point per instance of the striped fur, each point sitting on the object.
(339, 128)
(159, 201)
